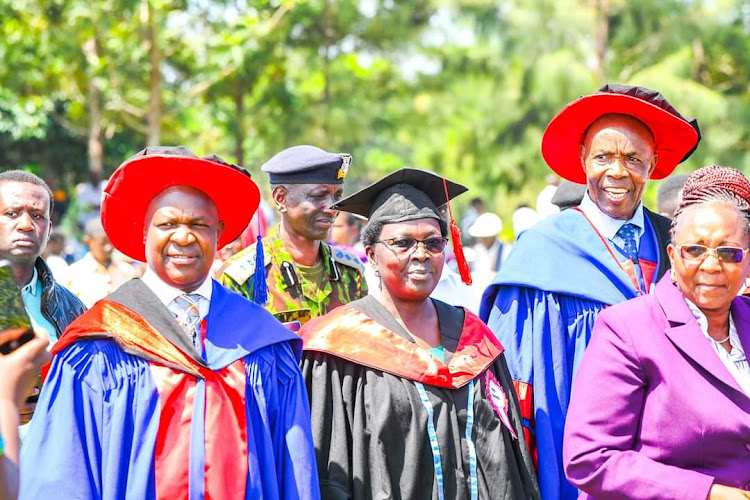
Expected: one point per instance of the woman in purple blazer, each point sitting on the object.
(660, 407)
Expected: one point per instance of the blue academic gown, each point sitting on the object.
(124, 416)
(542, 306)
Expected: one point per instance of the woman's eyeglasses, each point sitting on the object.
(729, 255)
(406, 246)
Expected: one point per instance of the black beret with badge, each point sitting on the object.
(307, 165)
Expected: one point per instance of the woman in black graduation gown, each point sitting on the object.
(411, 397)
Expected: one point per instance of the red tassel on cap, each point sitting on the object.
(458, 249)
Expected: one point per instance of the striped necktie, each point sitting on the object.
(186, 310)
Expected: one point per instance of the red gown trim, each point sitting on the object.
(525, 394)
(226, 450)
(175, 374)
(648, 268)
(107, 319)
(354, 336)
(171, 463)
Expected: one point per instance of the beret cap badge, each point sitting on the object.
(346, 160)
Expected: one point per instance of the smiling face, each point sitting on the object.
(618, 157)
(305, 208)
(24, 221)
(410, 277)
(181, 234)
(710, 283)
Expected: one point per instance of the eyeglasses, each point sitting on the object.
(407, 246)
(729, 255)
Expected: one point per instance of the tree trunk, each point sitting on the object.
(326, 49)
(327, 36)
(601, 37)
(93, 96)
(239, 103)
(699, 64)
(154, 111)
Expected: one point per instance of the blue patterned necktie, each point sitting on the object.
(627, 233)
(186, 310)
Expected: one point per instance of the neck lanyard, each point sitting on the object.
(609, 249)
(435, 446)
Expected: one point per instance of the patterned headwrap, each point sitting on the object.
(716, 183)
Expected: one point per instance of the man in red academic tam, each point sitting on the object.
(543, 302)
(173, 386)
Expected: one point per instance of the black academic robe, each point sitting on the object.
(371, 426)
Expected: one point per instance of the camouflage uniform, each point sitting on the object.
(295, 298)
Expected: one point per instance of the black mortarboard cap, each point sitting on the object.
(307, 165)
(406, 194)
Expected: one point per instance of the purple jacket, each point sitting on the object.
(654, 412)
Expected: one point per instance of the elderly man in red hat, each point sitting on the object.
(173, 386)
(563, 271)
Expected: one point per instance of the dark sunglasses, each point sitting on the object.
(730, 255)
(434, 245)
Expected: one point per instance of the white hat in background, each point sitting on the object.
(524, 218)
(486, 225)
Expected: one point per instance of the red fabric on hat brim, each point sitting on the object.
(135, 183)
(561, 143)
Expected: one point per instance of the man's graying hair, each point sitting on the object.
(716, 184)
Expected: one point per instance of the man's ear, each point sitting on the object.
(654, 160)
(220, 229)
(279, 196)
(583, 157)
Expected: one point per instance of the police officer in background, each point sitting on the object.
(304, 276)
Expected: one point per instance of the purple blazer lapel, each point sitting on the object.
(686, 334)
(741, 317)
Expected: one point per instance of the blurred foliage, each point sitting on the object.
(462, 87)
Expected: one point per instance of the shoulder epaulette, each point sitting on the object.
(241, 266)
(347, 258)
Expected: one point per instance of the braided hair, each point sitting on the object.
(716, 184)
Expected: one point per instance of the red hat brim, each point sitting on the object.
(674, 137)
(135, 183)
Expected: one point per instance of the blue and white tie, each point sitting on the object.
(627, 233)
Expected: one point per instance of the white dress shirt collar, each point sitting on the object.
(167, 293)
(606, 225)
